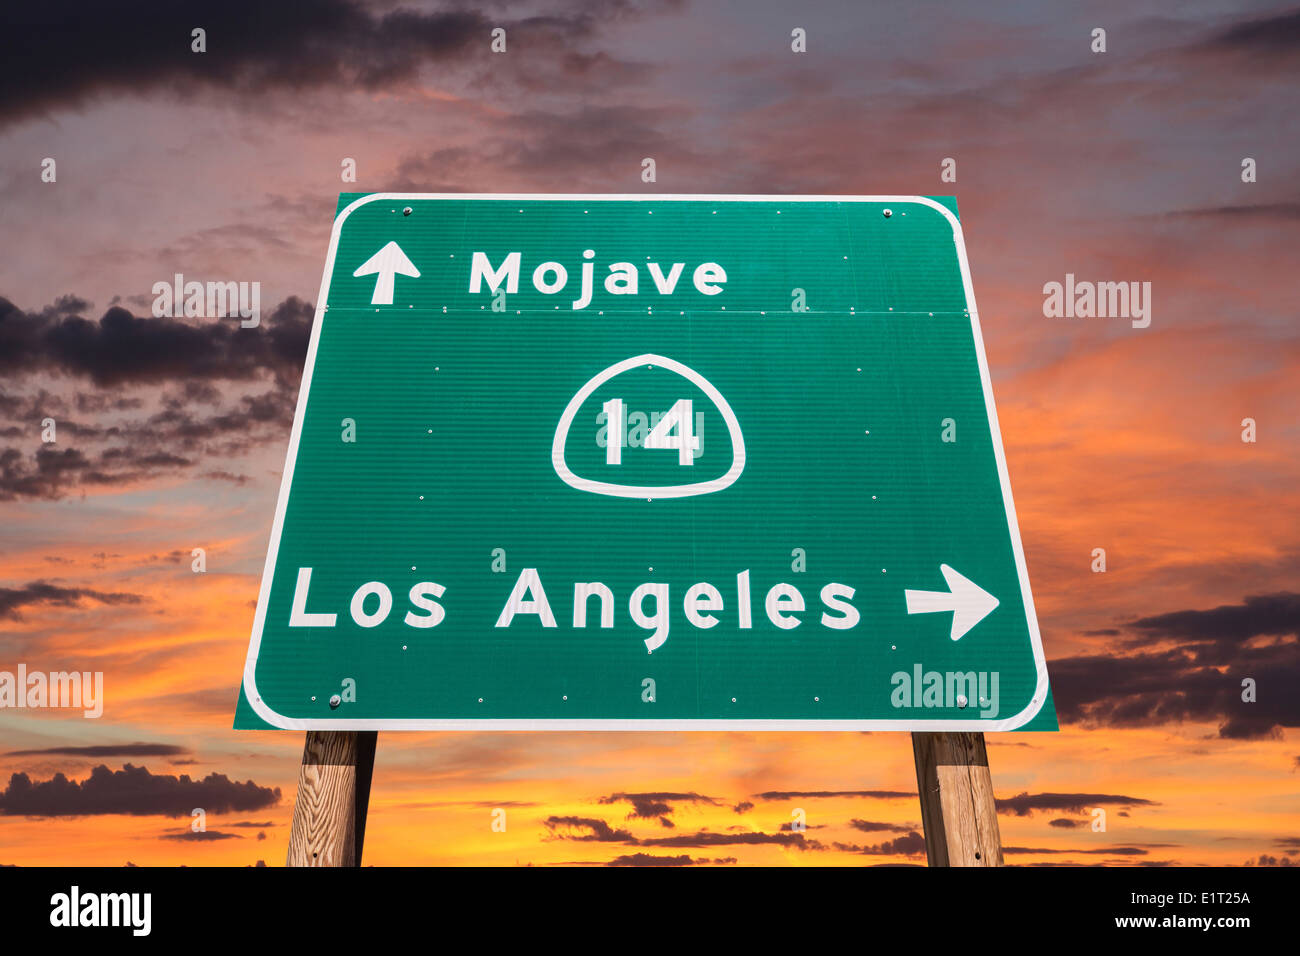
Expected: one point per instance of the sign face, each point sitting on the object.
(645, 462)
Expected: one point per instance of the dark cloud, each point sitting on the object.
(12, 600)
(192, 423)
(1095, 851)
(171, 557)
(871, 826)
(657, 806)
(482, 804)
(594, 830)
(800, 794)
(1065, 823)
(1274, 211)
(910, 844)
(1272, 36)
(649, 859)
(226, 476)
(1023, 804)
(29, 410)
(588, 830)
(47, 474)
(255, 50)
(253, 47)
(744, 806)
(1230, 623)
(1195, 672)
(132, 791)
(121, 348)
(111, 750)
(748, 838)
(200, 836)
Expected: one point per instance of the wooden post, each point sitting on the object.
(957, 809)
(329, 816)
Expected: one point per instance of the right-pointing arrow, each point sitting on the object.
(968, 602)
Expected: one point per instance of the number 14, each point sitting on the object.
(673, 431)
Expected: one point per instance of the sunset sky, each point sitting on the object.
(171, 433)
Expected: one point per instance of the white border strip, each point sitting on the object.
(379, 723)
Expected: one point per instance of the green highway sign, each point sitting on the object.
(645, 463)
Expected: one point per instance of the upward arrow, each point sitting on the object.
(386, 263)
(968, 602)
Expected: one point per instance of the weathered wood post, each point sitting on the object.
(957, 808)
(329, 815)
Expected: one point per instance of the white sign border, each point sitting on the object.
(278, 720)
